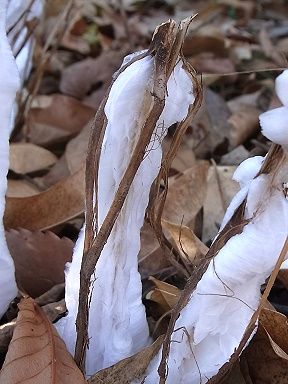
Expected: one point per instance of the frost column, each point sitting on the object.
(212, 324)
(117, 320)
(9, 84)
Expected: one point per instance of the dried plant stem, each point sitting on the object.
(252, 324)
(235, 226)
(166, 56)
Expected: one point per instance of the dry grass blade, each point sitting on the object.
(36, 353)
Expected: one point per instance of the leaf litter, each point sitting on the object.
(46, 178)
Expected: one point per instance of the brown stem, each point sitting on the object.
(161, 48)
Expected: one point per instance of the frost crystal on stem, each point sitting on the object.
(9, 84)
(117, 320)
(213, 322)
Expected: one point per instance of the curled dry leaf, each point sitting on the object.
(164, 294)
(179, 208)
(39, 259)
(184, 241)
(36, 353)
(128, 369)
(276, 325)
(62, 202)
(264, 359)
(28, 157)
(56, 118)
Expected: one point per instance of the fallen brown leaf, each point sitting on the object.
(210, 127)
(61, 202)
(276, 325)
(21, 188)
(128, 369)
(58, 172)
(76, 149)
(56, 118)
(39, 259)
(36, 353)
(266, 362)
(196, 44)
(186, 195)
(28, 157)
(79, 78)
(207, 62)
(244, 123)
(179, 208)
(184, 241)
(151, 258)
(164, 294)
(73, 36)
(283, 277)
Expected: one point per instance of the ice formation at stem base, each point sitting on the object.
(117, 322)
(213, 322)
(9, 84)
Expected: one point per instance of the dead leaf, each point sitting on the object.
(186, 195)
(37, 353)
(151, 258)
(269, 48)
(266, 361)
(28, 157)
(76, 149)
(210, 127)
(128, 369)
(56, 118)
(283, 277)
(220, 191)
(78, 79)
(39, 259)
(185, 157)
(21, 188)
(73, 36)
(197, 44)
(236, 156)
(208, 63)
(179, 208)
(58, 172)
(184, 241)
(244, 123)
(235, 376)
(62, 202)
(276, 325)
(166, 295)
